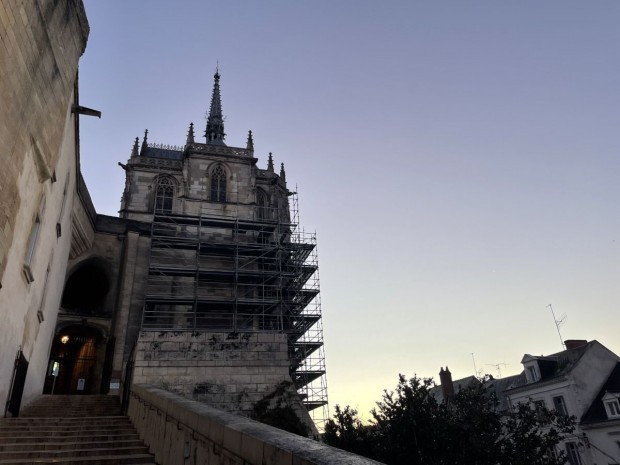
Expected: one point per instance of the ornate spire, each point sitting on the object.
(270, 163)
(134, 150)
(145, 143)
(282, 173)
(215, 122)
(250, 144)
(190, 134)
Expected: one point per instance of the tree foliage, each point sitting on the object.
(409, 426)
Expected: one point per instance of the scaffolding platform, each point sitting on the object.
(225, 274)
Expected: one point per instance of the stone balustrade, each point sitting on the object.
(182, 431)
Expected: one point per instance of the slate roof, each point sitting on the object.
(596, 413)
(153, 152)
(493, 386)
(499, 386)
(459, 384)
(557, 365)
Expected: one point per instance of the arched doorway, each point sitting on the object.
(80, 348)
(76, 361)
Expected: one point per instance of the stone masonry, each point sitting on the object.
(233, 371)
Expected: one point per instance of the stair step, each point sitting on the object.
(105, 460)
(83, 419)
(72, 430)
(29, 454)
(64, 427)
(70, 445)
(98, 437)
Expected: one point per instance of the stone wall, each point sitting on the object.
(40, 45)
(232, 371)
(178, 431)
(41, 42)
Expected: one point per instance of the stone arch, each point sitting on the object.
(77, 360)
(87, 288)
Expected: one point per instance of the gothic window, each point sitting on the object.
(164, 195)
(261, 205)
(218, 184)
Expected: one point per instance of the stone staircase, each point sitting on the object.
(72, 430)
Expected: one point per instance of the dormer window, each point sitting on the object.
(531, 367)
(612, 404)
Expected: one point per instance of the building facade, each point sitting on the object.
(575, 382)
(41, 194)
(204, 284)
(582, 381)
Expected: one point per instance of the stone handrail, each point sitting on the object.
(182, 431)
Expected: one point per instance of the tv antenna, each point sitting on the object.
(497, 367)
(558, 323)
(476, 373)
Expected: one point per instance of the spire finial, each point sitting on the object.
(270, 163)
(282, 172)
(250, 143)
(134, 150)
(190, 134)
(145, 142)
(215, 121)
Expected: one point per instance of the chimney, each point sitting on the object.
(447, 388)
(574, 343)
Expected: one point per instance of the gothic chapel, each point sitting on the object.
(204, 285)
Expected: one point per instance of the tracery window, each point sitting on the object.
(261, 205)
(164, 195)
(218, 184)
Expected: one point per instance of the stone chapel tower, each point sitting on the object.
(225, 305)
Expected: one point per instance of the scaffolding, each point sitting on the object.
(226, 274)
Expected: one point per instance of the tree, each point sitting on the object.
(531, 433)
(410, 427)
(347, 432)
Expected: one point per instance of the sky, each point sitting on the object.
(458, 160)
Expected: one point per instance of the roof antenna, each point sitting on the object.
(558, 323)
(476, 374)
(498, 368)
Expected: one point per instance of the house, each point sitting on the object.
(494, 386)
(581, 381)
(601, 423)
(448, 387)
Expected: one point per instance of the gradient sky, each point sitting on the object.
(458, 160)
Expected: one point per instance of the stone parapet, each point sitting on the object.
(179, 430)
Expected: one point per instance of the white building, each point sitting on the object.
(581, 381)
